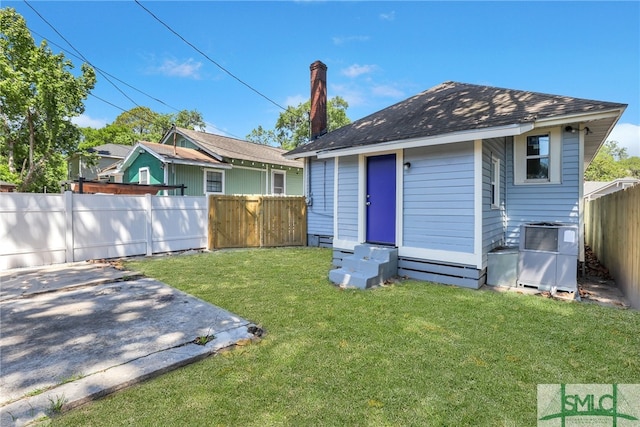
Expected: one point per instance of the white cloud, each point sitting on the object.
(627, 135)
(85, 121)
(295, 100)
(387, 91)
(350, 94)
(388, 16)
(347, 39)
(173, 68)
(356, 70)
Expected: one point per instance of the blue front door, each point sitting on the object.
(381, 199)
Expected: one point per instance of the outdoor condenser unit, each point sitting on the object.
(548, 256)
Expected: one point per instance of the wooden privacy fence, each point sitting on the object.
(257, 221)
(612, 229)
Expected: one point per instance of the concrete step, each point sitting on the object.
(368, 266)
(353, 279)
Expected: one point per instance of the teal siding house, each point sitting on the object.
(212, 164)
(452, 173)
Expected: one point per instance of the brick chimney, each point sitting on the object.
(318, 99)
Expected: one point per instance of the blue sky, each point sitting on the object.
(377, 53)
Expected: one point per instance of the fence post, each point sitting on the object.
(68, 222)
(149, 233)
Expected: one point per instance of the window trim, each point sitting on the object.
(284, 181)
(494, 183)
(144, 169)
(204, 182)
(555, 157)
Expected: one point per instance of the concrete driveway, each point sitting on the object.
(76, 332)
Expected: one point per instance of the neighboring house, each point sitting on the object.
(212, 164)
(108, 154)
(450, 174)
(595, 189)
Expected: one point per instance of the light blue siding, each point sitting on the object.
(320, 212)
(548, 202)
(493, 220)
(438, 198)
(347, 198)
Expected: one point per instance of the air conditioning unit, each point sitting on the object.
(548, 256)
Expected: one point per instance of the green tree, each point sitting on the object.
(608, 163)
(292, 127)
(632, 165)
(110, 134)
(146, 124)
(38, 97)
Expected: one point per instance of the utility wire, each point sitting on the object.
(128, 85)
(211, 60)
(80, 54)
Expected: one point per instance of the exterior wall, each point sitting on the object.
(295, 182)
(88, 172)
(156, 172)
(240, 180)
(347, 221)
(438, 198)
(183, 142)
(320, 211)
(493, 219)
(191, 176)
(544, 202)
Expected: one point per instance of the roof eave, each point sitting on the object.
(579, 117)
(448, 138)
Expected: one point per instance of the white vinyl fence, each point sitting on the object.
(40, 229)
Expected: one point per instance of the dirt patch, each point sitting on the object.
(595, 284)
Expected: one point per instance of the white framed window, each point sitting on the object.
(537, 157)
(143, 176)
(495, 183)
(213, 181)
(278, 182)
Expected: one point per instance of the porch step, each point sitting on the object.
(368, 266)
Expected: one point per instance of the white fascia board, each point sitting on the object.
(299, 155)
(579, 117)
(131, 156)
(203, 164)
(449, 138)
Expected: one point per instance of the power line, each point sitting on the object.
(128, 85)
(211, 60)
(78, 52)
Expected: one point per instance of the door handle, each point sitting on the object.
(368, 203)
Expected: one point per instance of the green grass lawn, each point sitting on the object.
(413, 353)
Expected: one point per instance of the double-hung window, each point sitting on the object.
(213, 182)
(537, 157)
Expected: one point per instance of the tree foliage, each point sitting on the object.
(292, 127)
(610, 163)
(140, 123)
(38, 97)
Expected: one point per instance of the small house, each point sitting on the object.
(450, 174)
(79, 166)
(212, 164)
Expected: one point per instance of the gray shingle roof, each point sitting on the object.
(117, 151)
(238, 149)
(453, 107)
